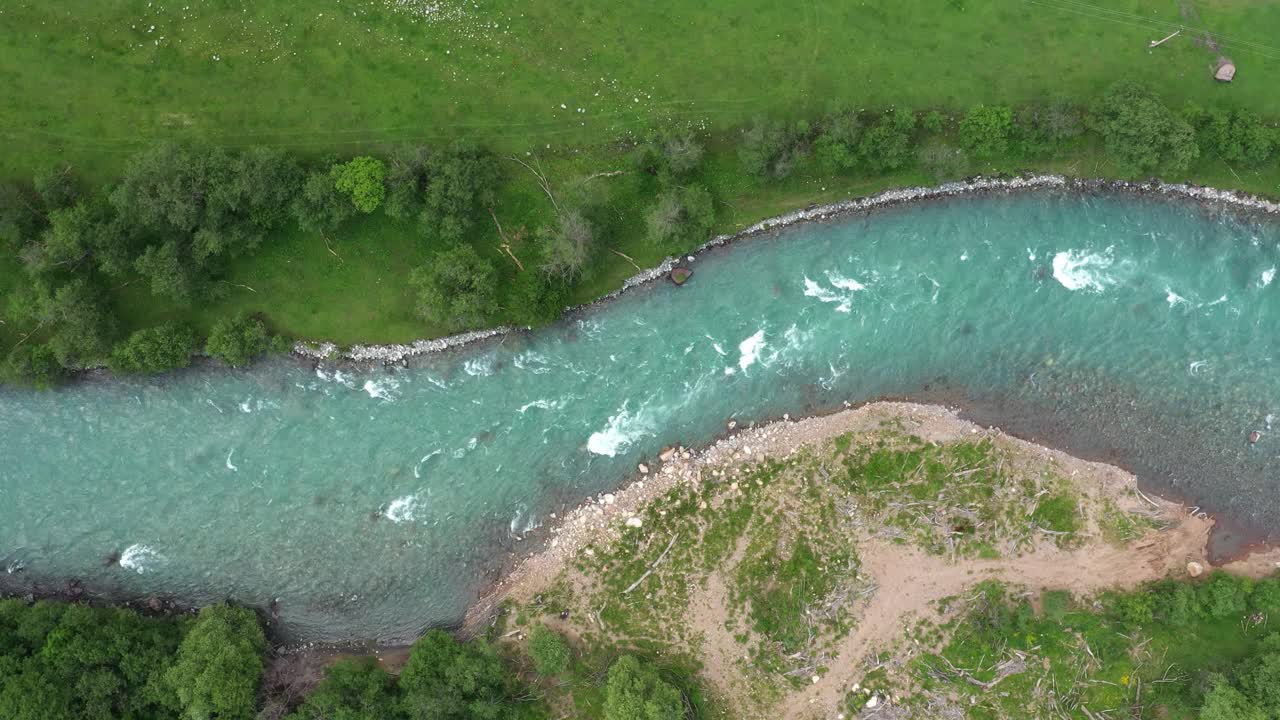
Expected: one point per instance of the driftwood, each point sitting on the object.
(542, 179)
(653, 565)
(628, 259)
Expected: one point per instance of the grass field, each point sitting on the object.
(90, 83)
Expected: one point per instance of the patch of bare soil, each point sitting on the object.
(908, 582)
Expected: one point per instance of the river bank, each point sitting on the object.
(1120, 538)
(365, 354)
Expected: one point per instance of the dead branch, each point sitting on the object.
(652, 565)
(542, 180)
(246, 287)
(628, 259)
(329, 247)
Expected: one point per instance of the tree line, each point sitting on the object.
(70, 661)
(180, 214)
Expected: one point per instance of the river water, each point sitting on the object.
(372, 503)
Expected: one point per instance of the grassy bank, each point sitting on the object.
(375, 76)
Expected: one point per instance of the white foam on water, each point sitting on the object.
(231, 467)
(478, 367)
(1174, 298)
(843, 300)
(139, 558)
(530, 522)
(1219, 301)
(247, 405)
(749, 350)
(337, 377)
(402, 509)
(1267, 276)
(1031, 255)
(417, 468)
(1081, 270)
(542, 405)
(385, 389)
(523, 360)
(619, 433)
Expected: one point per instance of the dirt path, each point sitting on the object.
(910, 582)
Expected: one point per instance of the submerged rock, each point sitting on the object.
(680, 274)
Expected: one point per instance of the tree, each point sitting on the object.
(319, 206)
(837, 145)
(772, 149)
(634, 691)
(460, 181)
(238, 340)
(76, 314)
(568, 246)
(219, 665)
(1140, 133)
(407, 175)
(362, 180)
(457, 289)
(887, 144)
(549, 650)
(985, 130)
(1226, 703)
(1236, 136)
(171, 271)
(34, 365)
(670, 154)
(154, 350)
(352, 690)
(535, 298)
(448, 680)
(682, 216)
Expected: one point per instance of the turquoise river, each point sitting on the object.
(374, 502)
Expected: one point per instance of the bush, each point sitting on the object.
(771, 149)
(1236, 136)
(154, 350)
(567, 247)
(682, 217)
(887, 145)
(1222, 596)
(448, 680)
(634, 691)
(458, 289)
(985, 130)
(352, 690)
(1226, 703)
(1048, 129)
(836, 147)
(670, 154)
(1055, 604)
(536, 299)
(1140, 133)
(1177, 603)
(238, 340)
(933, 121)
(34, 365)
(1133, 608)
(219, 665)
(549, 651)
(362, 179)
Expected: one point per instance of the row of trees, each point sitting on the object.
(64, 661)
(180, 214)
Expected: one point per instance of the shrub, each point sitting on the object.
(1133, 608)
(772, 149)
(682, 217)
(448, 680)
(457, 289)
(1236, 136)
(1265, 597)
(670, 154)
(219, 665)
(238, 340)
(1055, 604)
(634, 691)
(1140, 133)
(887, 145)
(549, 651)
(363, 180)
(836, 147)
(154, 350)
(1226, 703)
(933, 121)
(568, 246)
(352, 690)
(1222, 596)
(1177, 603)
(537, 299)
(34, 365)
(985, 130)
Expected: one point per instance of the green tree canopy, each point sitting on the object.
(985, 130)
(448, 680)
(682, 217)
(549, 650)
(218, 667)
(361, 179)
(154, 350)
(1140, 133)
(635, 691)
(238, 340)
(887, 145)
(457, 289)
(352, 690)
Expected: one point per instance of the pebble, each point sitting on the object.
(644, 469)
(634, 522)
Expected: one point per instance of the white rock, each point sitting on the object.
(1194, 569)
(634, 522)
(815, 679)
(644, 469)
(873, 701)
(609, 499)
